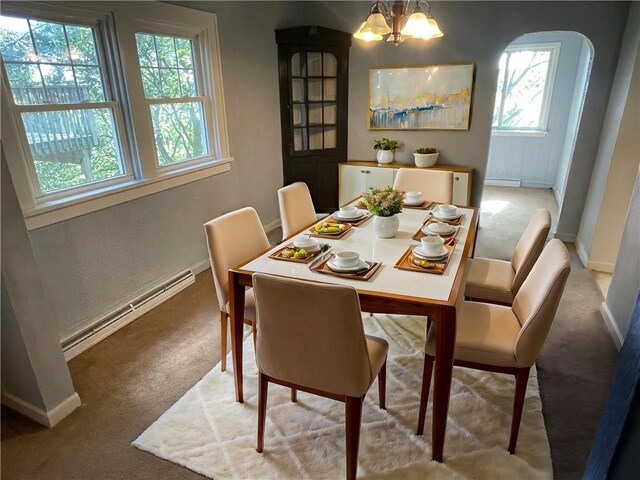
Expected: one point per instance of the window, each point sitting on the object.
(171, 90)
(108, 101)
(524, 89)
(59, 91)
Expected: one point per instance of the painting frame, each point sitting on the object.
(465, 109)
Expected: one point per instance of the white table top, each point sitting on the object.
(387, 279)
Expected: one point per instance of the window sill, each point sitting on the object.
(519, 133)
(54, 211)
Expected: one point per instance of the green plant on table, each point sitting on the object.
(386, 144)
(383, 202)
(425, 150)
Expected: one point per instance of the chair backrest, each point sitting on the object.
(311, 334)
(232, 238)
(296, 208)
(435, 185)
(529, 247)
(536, 303)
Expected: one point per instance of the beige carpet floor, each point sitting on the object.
(208, 432)
(131, 378)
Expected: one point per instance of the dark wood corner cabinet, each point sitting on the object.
(313, 67)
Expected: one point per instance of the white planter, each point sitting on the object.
(386, 227)
(426, 159)
(384, 156)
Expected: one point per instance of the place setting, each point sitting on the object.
(431, 256)
(346, 264)
(414, 200)
(351, 215)
(447, 213)
(436, 227)
(302, 250)
(328, 229)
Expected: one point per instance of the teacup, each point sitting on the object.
(349, 211)
(306, 242)
(432, 245)
(447, 210)
(413, 197)
(347, 259)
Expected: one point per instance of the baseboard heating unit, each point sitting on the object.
(115, 320)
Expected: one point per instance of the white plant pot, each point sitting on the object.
(424, 160)
(386, 227)
(384, 156)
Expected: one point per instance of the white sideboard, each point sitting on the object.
(356, 177)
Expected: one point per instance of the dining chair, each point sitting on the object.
(498, 281)
(296, 208)
(232, 238)
(503, 339)
(435, 185)
(311, 338)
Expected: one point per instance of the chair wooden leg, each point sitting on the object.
(353, 408)
(263, 389)
(382, 385)
(518, 403)
(223, 340)
(254, 331)
(294, 395)
(424, 396)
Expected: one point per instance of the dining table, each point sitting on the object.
(389, 291)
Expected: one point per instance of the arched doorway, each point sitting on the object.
(540, 93)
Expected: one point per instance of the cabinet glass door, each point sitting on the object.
(313, 100)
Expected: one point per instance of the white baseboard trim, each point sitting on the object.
(47, 418)
(502, 182)
(565, 237)
(601, 266)
(582, 254)
(526, 184)
(269, 227)
(611, 325)
(201, 266)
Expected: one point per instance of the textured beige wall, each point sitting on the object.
(622, 174)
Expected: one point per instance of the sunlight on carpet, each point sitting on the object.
(209, 433)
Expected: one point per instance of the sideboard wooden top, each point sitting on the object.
(450, 168)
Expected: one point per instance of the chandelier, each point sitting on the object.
(405, 23)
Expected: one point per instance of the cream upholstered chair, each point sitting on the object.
(296, 208)
(435, 185)
(504, 339)
(310, 337)
(498, 281)
(231, 239)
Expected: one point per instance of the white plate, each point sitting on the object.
(355, 217)
(427, 230)
(420, 253)
(413, 204)
(439, 216)
(336, 268)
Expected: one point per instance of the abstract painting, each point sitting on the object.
(430, 97)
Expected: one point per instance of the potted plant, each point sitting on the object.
(385, 149)
(384, 205)
(425, 156)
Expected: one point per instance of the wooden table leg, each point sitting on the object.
(445, 324)
(236, 303)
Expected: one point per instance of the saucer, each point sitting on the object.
(358, 216)
(427, 230)
(420, 253)
(336, 268)
(440, 216)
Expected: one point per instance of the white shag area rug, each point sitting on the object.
(209, 433)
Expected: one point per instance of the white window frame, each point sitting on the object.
(543, 120)
(131, 109)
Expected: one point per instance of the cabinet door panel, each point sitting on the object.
(379, 177)
(460, 188)
(352, 182)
